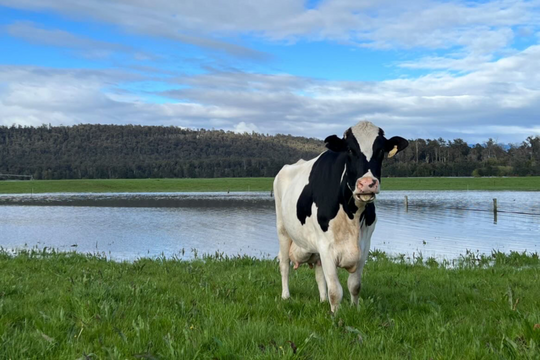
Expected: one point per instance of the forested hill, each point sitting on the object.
(128, 151)
(114, 151)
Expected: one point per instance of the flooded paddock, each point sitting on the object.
(443, 224)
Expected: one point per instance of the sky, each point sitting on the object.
(417, 69)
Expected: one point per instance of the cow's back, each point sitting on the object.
(288, 185)
(292, 175)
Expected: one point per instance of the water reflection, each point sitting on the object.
(128, 226)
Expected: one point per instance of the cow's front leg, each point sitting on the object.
(321, 282)
(335, 291)
(354, 283)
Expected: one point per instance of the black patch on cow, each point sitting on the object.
(335, 144)
(368, 214)
(326, 190)
(398, 141)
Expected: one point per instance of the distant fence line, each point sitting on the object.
(498, 211)
(495, 209)
(29, 177)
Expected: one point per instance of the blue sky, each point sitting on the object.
(451, 69)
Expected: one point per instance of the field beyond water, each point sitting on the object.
(72, 306)
(252, 184)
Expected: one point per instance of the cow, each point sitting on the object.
(325, 210)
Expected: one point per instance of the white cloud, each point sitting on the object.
(87, 47)
(478, 28)
(242, 127)
(500, 99)
(30, 32)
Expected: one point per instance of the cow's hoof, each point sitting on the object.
(334, 311)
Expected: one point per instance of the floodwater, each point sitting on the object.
(443, 224)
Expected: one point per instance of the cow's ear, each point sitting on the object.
(395, 145)
(335, 144)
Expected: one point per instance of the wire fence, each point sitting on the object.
(485, 210)
(495, 209)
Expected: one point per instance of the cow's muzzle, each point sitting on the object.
(367, 198)
(366, 189)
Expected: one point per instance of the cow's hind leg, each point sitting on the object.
(284, 261)
(299, 256)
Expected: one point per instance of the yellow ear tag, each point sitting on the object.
(392, 152)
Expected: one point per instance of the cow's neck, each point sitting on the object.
(346, 199)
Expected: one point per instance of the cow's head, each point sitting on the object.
(365, 147)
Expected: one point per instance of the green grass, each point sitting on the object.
(68, 306)
(136, 185)
(253, 184)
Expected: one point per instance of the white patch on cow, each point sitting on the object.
(369, 174)
(365, 133)
(344, 171)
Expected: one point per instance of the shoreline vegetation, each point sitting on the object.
(254, 184)
(66, 306)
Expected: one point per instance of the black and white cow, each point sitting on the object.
(325, 208)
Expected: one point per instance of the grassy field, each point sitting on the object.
(253, 184)
(137, 185)
(67, 306)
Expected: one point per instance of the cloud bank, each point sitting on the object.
(477, 67)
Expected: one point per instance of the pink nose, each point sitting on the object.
(367, 185)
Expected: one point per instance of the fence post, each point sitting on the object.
(495, 211)
(406, 203)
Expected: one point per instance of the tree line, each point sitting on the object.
(133, 151)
